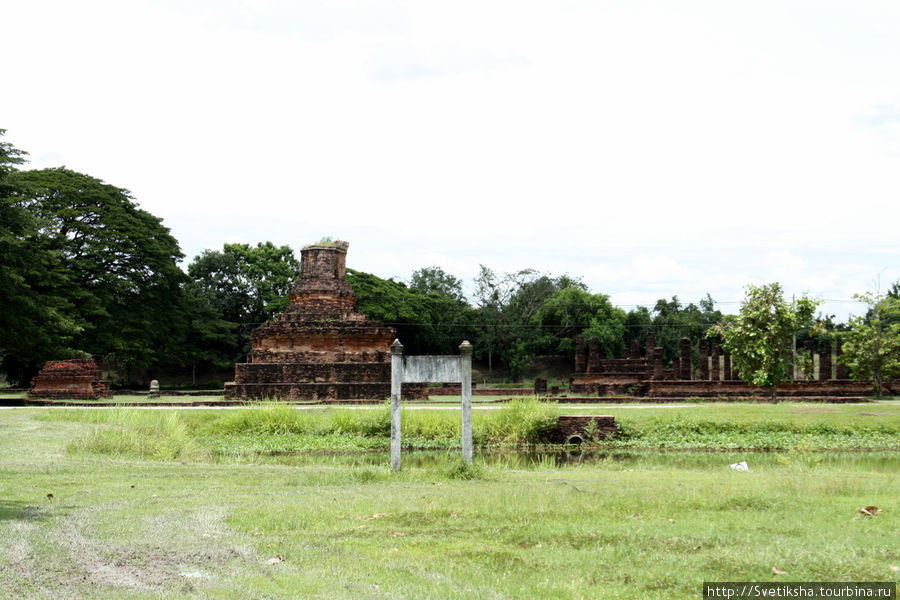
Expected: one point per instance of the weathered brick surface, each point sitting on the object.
(320, 348)
(703, 358)
(580, 356)
(69, 379)
(825, 364)
(593, 364)
(685, 359)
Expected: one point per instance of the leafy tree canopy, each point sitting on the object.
(246, 285)
(434, 280)
(34, 321)
(759, 336)
(872, 345)
(103, 272)
(430, 322)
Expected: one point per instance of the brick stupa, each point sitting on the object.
(74, 379)
(320, 348)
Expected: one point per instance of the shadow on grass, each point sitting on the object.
(21, 511)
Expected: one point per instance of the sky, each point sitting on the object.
(650, 148)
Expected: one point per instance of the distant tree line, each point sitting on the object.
(84, 271)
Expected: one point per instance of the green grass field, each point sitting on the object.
(255, 503)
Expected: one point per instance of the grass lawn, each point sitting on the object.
(127, 503)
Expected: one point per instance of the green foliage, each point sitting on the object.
(430, 319)
(758, 434)
(673, 321)
(156, 435)
(35, 320)
(100, 270)
(759, 337)
(572, 311)
(872, 345)
(433, 280)
(511, 313)
(522, 421)
(245, 286)
(465, 471)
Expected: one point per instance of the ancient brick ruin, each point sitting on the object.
(713, 376)
(75, 379)
(576, 429)
(320, 348)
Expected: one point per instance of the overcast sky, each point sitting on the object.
(651, 148)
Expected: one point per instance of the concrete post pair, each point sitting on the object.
(424, 369)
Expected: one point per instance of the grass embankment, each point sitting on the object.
(82, 520)
(275, 430)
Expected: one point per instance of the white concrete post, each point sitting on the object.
(465, 369)
(396, 387)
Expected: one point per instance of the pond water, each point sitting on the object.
(527, 459)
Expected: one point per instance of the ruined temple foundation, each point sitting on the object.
(74, 379)
(713, 377)
(320, 348)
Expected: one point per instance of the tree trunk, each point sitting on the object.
(774, 394)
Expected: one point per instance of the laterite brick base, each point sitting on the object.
(75, 379)
(570, 429)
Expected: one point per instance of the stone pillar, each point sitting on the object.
(685, 359)
(726, 366)
(676, 367)
(154, 389)
(714, 375)
(593, 365)
(650, 345)
(810, 351)
(396, 386)
(540, 386)
(635, 350)
(841, 367)
(656, 359)
(465, 367)
(580, 358)
(703, 359)
(825, 363)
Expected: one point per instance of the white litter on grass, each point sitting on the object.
(193, 574)
(741, 466)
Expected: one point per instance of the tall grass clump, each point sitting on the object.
(370, 423)
(265, 419)
(464, 471)
(523, 421)
(435, 425)
(155, 435)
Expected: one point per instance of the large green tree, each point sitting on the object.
(573, 311)
(872, 345)
(759, 337)
(88, 272)
(115, 265)
(509, 312)
(35, 319)
(246, 285)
